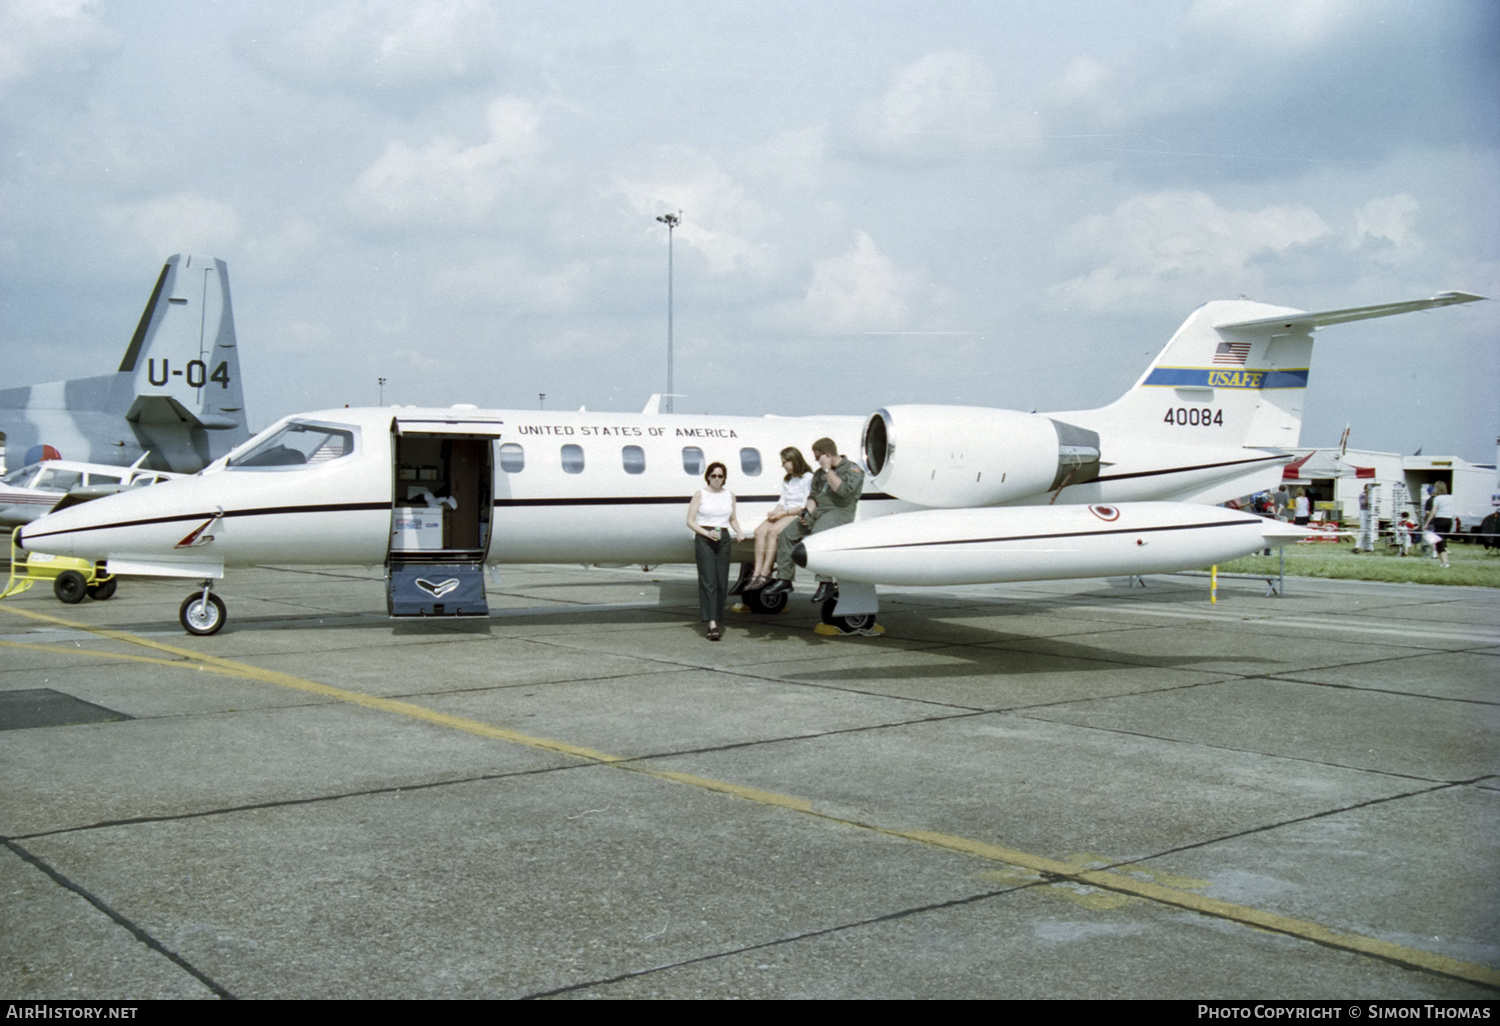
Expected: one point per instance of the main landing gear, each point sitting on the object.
(202, 612)
(860, 623)
(766, 600)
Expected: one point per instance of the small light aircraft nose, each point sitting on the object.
(799, 556)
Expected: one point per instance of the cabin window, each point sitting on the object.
(512, 458)
(692, 459)
(102, 479)
(59, 480)
(20, 477)
(750, 462)
(296, 445)
(634, 459)
(572, 459)
(143, 480)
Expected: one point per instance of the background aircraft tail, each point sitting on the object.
(177, 393)
(184, 359)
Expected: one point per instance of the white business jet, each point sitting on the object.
(954, 495)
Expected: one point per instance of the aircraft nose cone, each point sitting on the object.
(799, 556)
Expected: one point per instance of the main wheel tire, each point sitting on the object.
(758, 601)
(70, 587)
(104, 589)
(847, 624)
(199, 617)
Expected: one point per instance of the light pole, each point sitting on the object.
(382, 390)
(671, 221)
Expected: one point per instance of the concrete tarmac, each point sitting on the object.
(1070, 789)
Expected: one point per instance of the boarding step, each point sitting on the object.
(436, 589)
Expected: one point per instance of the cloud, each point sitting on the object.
(37, 34)
(1181, 246)
(1288, 24)
(861, 290)
(793, 159)
(720, 221)
(1384, 225)
(183, 222)
(506, 281)
(940, 104)
(446, 182)
(386, 43)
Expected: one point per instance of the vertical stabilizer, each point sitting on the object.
(183, 362)
(1219, 385)
(1235, 374)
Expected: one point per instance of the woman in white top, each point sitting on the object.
(1440, 520)
(712, 516)
(794, 491)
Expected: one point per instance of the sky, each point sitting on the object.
(990, 203)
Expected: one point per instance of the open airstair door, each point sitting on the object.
(444, 474)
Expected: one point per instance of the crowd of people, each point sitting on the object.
(1437, 524)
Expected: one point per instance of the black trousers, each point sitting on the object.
(713, 574)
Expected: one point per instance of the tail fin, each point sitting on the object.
(184, 364)
(1236, 372)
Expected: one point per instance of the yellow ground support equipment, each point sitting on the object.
(71, 578)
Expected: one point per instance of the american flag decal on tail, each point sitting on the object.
(1232, 352)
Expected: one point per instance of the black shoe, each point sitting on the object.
(776, 587)
(825, 591)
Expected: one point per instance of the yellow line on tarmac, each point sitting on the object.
(94, 653)
(286, 680)
(1111, 880)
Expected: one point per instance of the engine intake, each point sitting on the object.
(955, 456)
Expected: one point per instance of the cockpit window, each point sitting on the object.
(20, 477)
(297, 445)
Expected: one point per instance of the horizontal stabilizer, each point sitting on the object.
(164, 409)
(1303, 322)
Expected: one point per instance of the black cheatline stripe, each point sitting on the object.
(1058, 534)
(337, 507)
(353, 507)
(1179, 470)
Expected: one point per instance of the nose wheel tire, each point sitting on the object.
(200, 617)
(70, 587)
(860, 623)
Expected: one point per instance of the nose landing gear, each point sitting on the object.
(202, 612)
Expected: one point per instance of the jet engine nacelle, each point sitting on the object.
(959, 456)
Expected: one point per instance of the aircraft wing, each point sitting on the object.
(1303, 322)
(18, 516)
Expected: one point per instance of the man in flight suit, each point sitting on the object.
(832, 502)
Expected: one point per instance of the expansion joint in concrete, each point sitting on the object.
(132, 928)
